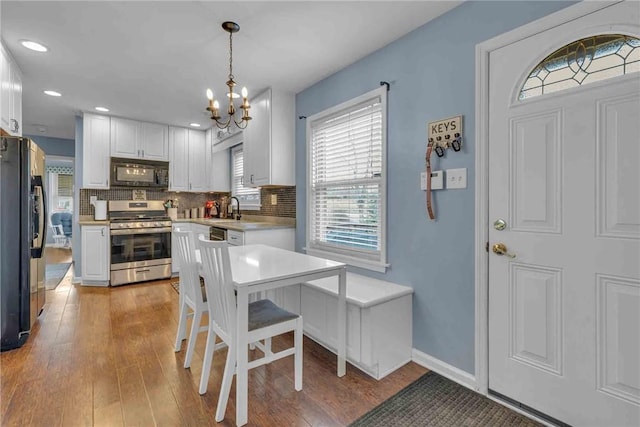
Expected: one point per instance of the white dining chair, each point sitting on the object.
(193, 298)
(266, 320)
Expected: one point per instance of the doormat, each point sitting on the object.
(433, 400)
(54, 273)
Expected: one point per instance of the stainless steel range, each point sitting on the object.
(140, 241)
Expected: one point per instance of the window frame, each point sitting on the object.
(346, 255)
(244, 205)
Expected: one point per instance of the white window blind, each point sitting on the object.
(65, 185)
(249, 197)
(347, 146)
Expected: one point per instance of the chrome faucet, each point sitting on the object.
(238, 216)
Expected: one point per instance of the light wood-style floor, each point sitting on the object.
(104, 357)
(57, 255)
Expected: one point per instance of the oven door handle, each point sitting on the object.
(130, 231)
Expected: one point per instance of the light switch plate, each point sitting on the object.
(436, 180)
(456, 178)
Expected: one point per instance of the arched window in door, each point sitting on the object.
(582, 62)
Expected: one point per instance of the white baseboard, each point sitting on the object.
(448, 371)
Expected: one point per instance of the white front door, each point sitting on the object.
(564, 175)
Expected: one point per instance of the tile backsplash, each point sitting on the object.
(285, 204)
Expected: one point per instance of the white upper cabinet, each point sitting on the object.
(10, 94)
(188, 165)
(178, 159)
(139, 140)
(219, 173)
(96, 132)
(198, 165)
(268, 145)
(124, 138)
(155, 141)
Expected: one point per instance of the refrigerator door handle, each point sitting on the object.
(36, 182)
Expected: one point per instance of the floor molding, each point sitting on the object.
(446, 370)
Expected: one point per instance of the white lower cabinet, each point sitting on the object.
(379, 321)
(95, 255)
(279, 237)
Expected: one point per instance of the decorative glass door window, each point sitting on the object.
(582, 62)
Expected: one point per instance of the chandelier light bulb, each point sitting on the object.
(210, 94)
(245, 93)
(216, 105)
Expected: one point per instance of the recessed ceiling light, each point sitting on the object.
(195, 125)
(52, 93)
(103, 109)
(34, 46)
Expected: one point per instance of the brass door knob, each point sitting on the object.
(501, 249)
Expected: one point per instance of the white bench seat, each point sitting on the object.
(362, 291)
(379, 321)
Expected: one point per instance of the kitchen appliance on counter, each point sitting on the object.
(139, 173)
(23, 230)
(140, 241)
(211, 209)
(99, 210)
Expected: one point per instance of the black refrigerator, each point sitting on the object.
(23, 224)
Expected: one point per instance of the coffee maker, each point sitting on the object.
(211, 209)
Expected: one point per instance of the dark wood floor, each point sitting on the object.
(104, 357)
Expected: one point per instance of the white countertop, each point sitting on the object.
(246, 224)
(243, 225)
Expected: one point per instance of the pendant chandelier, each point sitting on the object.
(214, 106)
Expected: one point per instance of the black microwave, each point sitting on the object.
(139, 173)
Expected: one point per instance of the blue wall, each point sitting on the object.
(432, 76)
(55, 146)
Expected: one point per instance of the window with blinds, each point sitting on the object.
(249, 197)
(347, 183)
(65, 185)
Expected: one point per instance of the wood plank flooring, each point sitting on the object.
(55, 255)
(104, 357)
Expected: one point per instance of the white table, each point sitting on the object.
(257, 268)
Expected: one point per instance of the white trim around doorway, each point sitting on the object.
(483, 51)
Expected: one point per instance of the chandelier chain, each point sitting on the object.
(230, 56)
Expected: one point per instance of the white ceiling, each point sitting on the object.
(153, 60)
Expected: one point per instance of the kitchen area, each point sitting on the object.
(140, 181)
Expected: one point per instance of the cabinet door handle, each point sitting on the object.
(252, 178)
(102, 232)
(142, 153)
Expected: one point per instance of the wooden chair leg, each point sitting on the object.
(193, 336)
(297, 342)
(225, 388)
(182, 326)
(209, 352)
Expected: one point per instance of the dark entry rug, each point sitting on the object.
(54, 273)
(433, 400)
